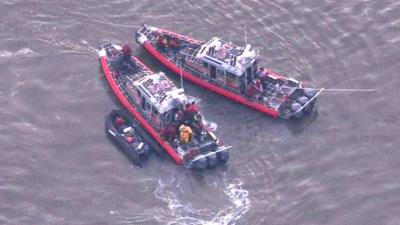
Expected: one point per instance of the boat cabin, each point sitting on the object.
(158, 98)
(228, 63)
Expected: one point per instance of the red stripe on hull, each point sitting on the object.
(171, 152)
(259, 107)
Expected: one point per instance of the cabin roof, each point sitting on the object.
(227, 56)
(160, 92)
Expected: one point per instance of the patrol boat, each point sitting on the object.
(169, 115)
(229, 70)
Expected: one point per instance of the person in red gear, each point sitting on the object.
(256, 88)
(162, 42)
(169, 133)
(174, 44)
(130, 139)
(191, 113)
(192, 108)
(126, 62)
(119, 121)
(257, 85)
(126, 51)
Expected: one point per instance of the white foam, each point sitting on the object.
(240, 199)
(6, 54)
(21, 52)
(180, 212)
(67, 46)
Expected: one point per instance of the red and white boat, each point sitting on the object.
(229, 70)
(169, 115)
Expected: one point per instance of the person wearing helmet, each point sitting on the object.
(126, 53)
(169, 133)
(190, 112)
(126, 61)
(130, 139)
(119, 121)
(174, 44)
(256, 89)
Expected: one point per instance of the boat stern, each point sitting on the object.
(207, 155)
(210, 159)
(301, 104)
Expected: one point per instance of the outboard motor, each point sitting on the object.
(302, 100)
(294, 108)
(309, 92)
(200, 163)
(212, 160)
(223, 156)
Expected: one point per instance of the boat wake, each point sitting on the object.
(69, 47)
(182, 212)
(21, 52)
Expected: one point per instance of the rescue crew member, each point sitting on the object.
(162, 42)
(130, 139)
(185, 134)
(119, 121)
(190, 112)
(174, 44)
(169, 133)
(126, 61)
(121, 124)
(256, 88)
(127, 53)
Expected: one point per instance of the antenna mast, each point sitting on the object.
(181, 77)
(245, 34)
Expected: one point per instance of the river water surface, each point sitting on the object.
(339, 167)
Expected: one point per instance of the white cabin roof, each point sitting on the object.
(160, 92)
(227, 56)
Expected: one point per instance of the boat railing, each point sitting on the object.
(190, 53)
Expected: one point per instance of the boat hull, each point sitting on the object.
(133, 84)
(276, 105)
(122, 98)
(211, 87)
